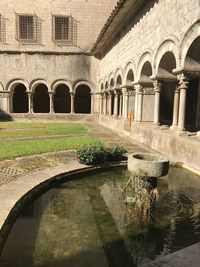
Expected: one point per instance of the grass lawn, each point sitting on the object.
(10, 130)
(14, 147)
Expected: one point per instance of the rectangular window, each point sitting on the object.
(28, 28)
(63, 30)
(2, 29)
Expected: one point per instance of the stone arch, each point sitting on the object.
(36, 82)
(19, 99)
(101, 87)
(11, 84)
(40, 97)
(1, 87)
(129, 71)
(146, 57)
(118, 73)
(192, 33)
(168, 45)
(146, 72)
(61, 98)
(82, 101)
(106, 85)
(56, 83)
(111, 80)
(192, 66)
(19, 96)
(169, 82)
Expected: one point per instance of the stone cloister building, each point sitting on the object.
(133, 65)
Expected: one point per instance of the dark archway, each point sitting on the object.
(192, 63)
(62, 100)
(82, 99)
(20, 99)
(169, 82)
(112, 96)
(129, 82)
(41, 101)
(119, 104)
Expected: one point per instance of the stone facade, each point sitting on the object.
(154, 57)
(45, 61)
(143, 69)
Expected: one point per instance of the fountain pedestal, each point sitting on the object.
(147, 164)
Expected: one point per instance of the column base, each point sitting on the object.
(173, 127)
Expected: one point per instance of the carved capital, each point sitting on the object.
(140, 89)
(183, 81)
(157, 86)
(148, 90)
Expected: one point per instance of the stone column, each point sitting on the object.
(72, 95)
(116, 103)
(101, 103)
(105, 104)
(51, 95)
(125, 92)
(6, 103)
(157, 89)
(140, 103)
(183, 86)
(92, 103)
(30, 102)
(110, 93)
(175, 108)
(136, 104)
(120, 104)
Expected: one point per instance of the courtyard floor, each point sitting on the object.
(20, 135)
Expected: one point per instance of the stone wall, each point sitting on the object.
(89, 15)
(163, 25)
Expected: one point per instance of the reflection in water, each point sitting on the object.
(84, 224)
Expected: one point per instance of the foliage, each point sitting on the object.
(139, 197)
(98, 153)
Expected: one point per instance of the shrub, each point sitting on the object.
(94, 154)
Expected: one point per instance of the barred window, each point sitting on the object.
(2, 29)
(28, 28)
(64, 30)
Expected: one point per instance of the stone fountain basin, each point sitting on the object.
(148, 164)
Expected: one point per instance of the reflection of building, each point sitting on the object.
(143, 60)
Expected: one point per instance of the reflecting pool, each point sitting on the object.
(84, 223)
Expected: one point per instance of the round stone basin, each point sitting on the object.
(147, 164)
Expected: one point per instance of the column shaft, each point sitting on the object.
(182, 102)
(175, 108)
(72, 102)
(157, 88)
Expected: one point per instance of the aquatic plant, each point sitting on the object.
(139, 197)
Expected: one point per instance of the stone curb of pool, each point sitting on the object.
(14, 195)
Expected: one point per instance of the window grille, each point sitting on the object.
(64, 30)
(28, 28)
(2, 29)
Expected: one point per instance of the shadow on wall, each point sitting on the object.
(5, 116)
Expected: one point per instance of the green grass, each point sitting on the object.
(14, 146)
(13, 130)
(14, 149)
